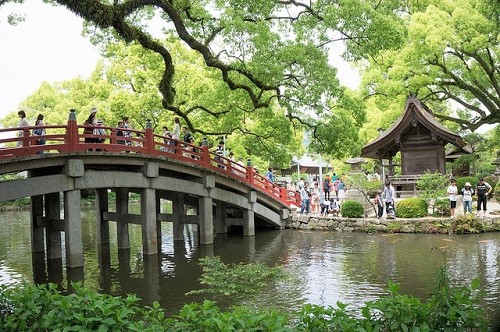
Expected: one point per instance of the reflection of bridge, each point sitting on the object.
(222, 192)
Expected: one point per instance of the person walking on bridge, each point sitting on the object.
(22, 123)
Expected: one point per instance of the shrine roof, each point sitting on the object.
(416, 113)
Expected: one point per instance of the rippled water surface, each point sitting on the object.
(325, 267)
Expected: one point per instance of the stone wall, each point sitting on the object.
(371, 225)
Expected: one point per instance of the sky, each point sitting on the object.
(48, 46)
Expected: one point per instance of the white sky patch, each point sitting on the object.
(47, 46)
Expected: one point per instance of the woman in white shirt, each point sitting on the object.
(467, 193)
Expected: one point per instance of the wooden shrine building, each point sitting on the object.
(421, 140)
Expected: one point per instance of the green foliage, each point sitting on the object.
(467, 224)
(352, 209)
(497, 192)
(207, 316)
(431, 186)
(462, 180)
(17, 204)
(43, 308)
(412, 208)
(237, 281)
(447, 55)
(492, 180)
(441, 207)
(394, 226)
(455, 308)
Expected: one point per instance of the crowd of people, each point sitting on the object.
(95, 132)
(482, 190)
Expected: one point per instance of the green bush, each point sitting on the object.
(352, 209)
(462, 180)
(44, 308)
(442, 207)
(412, 208)
(492, 180)
(467, 224)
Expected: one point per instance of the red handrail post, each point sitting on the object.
(205, 154)
(72, 131)
(250, 172)
(149, 138)
(26, 137)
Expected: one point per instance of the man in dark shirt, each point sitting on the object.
(483, 189)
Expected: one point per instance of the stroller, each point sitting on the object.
(390, 212)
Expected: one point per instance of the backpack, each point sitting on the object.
(38, 131)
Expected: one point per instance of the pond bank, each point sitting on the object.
(427, 225)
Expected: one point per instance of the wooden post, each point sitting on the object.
(149, 138)
(72, 131)
(205, 153)
(250, 172)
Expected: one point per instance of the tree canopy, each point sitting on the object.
(263, 57)
(451, 54)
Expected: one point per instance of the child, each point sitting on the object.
(379, 203)
(452, 192)
(334, 207)
(325, 207)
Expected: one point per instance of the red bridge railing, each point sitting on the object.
(19, 142)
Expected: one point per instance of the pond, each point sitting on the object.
(325, 267)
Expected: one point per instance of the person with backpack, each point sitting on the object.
(39, 131)
(326, 188)
(483, 189)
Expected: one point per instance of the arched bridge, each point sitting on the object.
(220, 191)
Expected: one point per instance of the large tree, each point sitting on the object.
(273, 55)
(450, 60)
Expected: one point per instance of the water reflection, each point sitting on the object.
(325, 267)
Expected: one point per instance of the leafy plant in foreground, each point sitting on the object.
(236, 281)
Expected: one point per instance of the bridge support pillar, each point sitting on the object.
(37, 237)
(101, 206)
(52, 234)
(248, 222)
(73, 229)
(206, 222)
(148, 211)
(158, 222)
(249, 215)
(178, 211)
(121, 225)
(220, 218)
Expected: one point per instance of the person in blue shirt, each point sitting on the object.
(270, 175)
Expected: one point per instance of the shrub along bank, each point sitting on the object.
(44, 308)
